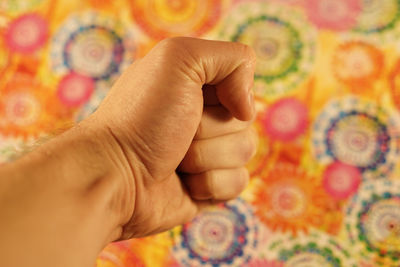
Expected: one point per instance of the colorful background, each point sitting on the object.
(325, 186)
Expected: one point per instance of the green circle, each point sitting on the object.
(277, 45)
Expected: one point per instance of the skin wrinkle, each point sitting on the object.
(188, 65)
(129, 229)
(251, 147)
(167, 214)
(222, 116)
(192, 70)
(131, 188)
(114, 176)
(245, 147)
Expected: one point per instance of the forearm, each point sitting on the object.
(64, 201)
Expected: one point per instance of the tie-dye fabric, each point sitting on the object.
(325, 182)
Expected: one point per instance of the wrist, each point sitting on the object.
(87, 163)
(74, 189)
(113, 180)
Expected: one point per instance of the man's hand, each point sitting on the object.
(171, 137)
(186, 147)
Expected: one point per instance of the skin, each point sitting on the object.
(171, 138)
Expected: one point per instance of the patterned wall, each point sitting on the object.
(325, 186)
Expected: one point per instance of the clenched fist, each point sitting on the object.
(171, 137)
(181, 116)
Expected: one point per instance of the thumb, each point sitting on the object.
(155, 107)
(226, 65)
(236, 94)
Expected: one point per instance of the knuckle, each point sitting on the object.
(238, 182)
(250, 144)
(244, 178)
(198, 186)
(228, 184)
(211, 185)
(248, 124)
(247, 52)
(171, 44)
(252, 54)
(169, 51)
(240, 178)
(194, 160)
(254, 136)
(180, 53)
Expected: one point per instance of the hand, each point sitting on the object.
(184, 147)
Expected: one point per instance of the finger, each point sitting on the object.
(236, 94)
(233, 83)
(223, 152)
(222, 184)
(218, 121)
(229, 66)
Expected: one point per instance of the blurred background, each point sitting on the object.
(325, 183)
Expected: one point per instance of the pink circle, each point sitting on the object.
(286, 119)
(337, 15)
(26, 34)
(341, 180)
(75, 89)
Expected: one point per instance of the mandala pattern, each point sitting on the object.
(286, 119)
(337, 15)
(91, 45)
(379, 20)
(26, 34)
(287, 199)
(358, 64)
(373, 221)
(378, 16)
(222, 236)
(316, 249)
(358, 133)
(22, 108)
(285, 50)
(341, 180)
(327, 93)
(165, 18)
